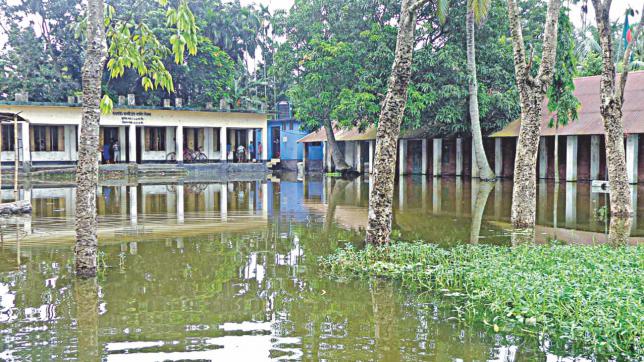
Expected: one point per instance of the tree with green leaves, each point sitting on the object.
(132, 45)
(612, 100)
(562, 102)
(532, 90)
(391, 115)
(41, 56)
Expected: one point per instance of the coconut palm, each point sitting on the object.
(476, 11)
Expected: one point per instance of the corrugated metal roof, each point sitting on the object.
(354, 134)
(590, 121)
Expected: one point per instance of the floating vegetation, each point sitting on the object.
(586, 299)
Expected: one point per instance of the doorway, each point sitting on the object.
(275, 139)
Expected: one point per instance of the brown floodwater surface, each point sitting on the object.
(229, 271)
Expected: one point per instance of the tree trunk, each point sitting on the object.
(611, 111)
(393, 109)
(87, 169)
(531, 93)
(524, 193)
(336, 154)
(620, 191)
(485, 172)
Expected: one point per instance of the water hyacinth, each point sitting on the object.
(587, 298)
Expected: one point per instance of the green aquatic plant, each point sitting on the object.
(586, 298)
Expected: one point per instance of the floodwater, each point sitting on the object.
(228, 271)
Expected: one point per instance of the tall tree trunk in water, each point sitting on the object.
(485, 172)
(612, 100)
(531, 93)
(393, 109)
(336, 154)
(87, 169)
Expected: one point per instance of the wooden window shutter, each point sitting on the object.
(61, 138)
(147, 138)
(32, 139)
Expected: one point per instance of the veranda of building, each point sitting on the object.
(48, 133)
(582, 153)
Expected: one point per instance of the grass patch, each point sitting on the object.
(584, 299)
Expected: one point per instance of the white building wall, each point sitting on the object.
(70, 118)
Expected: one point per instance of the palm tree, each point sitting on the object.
(476, 11)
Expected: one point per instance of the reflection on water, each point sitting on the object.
(228, 271)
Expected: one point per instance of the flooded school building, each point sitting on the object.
(582, 153)
(48, 133)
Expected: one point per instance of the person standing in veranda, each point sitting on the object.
(117, 151)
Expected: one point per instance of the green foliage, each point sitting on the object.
(337, 66)
(561, 99)
(134, 45)
(43, 59)
(591, 65)
(589, 298)
(148, 41)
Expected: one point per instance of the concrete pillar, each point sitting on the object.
(358, 158)
(543, 158)
(250, 134)
(223, 144)
(265, 200)
(571, 158)
(475, 166)
(304, 149)
(26, 146)
(132, 145)
(459, 157)
(632, 159)
(634, 204)
(571, 204)
(123, 200)
(133, 205)
(438, 156)
(402, 188)
(423, 167)
(223, 202)
(542, 201)
(437, 195)
(423, 192)
(179, 141)
(594, 157)
(498, 199)
(122, 143)
(459, 196)
(371, 152)
(402, 157)
(180, 204)
(265, 143)
(498, 156)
